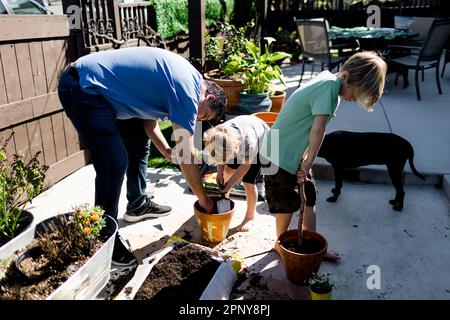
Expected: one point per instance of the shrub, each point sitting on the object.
(172, 15)
(20, 182)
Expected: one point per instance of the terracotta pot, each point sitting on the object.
(320, 296)
(300, 267)
(214, 227)
(278, 99)
(268, 117)
(232, 89)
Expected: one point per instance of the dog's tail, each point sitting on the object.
(413, 168)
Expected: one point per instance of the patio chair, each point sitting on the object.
(315, 45)
(428, 55)
(446, 57)
(419, 25)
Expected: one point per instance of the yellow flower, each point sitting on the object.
(87, 231)
(95, 217)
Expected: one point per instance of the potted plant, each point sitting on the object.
(218, 50)
(321, 286)
(20, 182)
(258, 71)
(67, 256)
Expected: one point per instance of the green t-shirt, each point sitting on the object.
(318, 97)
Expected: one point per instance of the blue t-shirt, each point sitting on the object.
(145, 83)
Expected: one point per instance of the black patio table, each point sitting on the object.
(370, 38)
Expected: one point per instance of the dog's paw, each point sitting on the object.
(332, 199)
(393, 202)
(397, 207)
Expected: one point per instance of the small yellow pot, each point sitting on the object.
(320, 296)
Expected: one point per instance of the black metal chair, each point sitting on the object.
(425, 57)
(446, 58)
(315, 45)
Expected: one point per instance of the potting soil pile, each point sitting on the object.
(183, 274)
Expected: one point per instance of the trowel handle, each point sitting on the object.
(221, 187)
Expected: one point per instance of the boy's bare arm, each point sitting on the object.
(315, 140)
(237, 175)
(185, 153)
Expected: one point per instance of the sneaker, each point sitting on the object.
(149, 209)
(121, 254)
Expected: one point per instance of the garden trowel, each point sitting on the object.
(223, 205)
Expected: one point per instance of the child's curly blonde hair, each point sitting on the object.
(367, 74)
(221, 144)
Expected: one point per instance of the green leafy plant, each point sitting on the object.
(218, 50)
(20, 182)
(321, 283)
(258, 69)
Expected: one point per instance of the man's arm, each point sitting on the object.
(153, 131)
(185, 154)
(315, 140)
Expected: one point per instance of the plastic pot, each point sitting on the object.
(320, 296)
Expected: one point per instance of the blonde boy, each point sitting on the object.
(301, 128)
(234, 147)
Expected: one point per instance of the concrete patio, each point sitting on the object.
(410, 247)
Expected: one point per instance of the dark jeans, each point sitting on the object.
(95, 120)
(138, 145)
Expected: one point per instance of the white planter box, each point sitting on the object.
(88, 280)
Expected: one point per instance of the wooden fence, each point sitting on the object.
(108, 24)
(33, 52)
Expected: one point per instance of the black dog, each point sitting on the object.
(345, 149)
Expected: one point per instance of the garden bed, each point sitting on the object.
(65, 258)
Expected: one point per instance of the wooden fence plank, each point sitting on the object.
(72, 140)
(55, 61)
(25, 110)
(10, 72)
(35, 140)
(3, 97)
(10, 147)
(48, 143)
(38, 68)
(66, 166)
(59, 136)
(33, 27)
(25, 73)
(21, 141)
(15, 113)
(45, 104)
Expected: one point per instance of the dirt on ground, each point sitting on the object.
(257, 287)
(181, 275)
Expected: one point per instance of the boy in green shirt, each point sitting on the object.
(300, 127)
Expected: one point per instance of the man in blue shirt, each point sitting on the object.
(143, 85)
